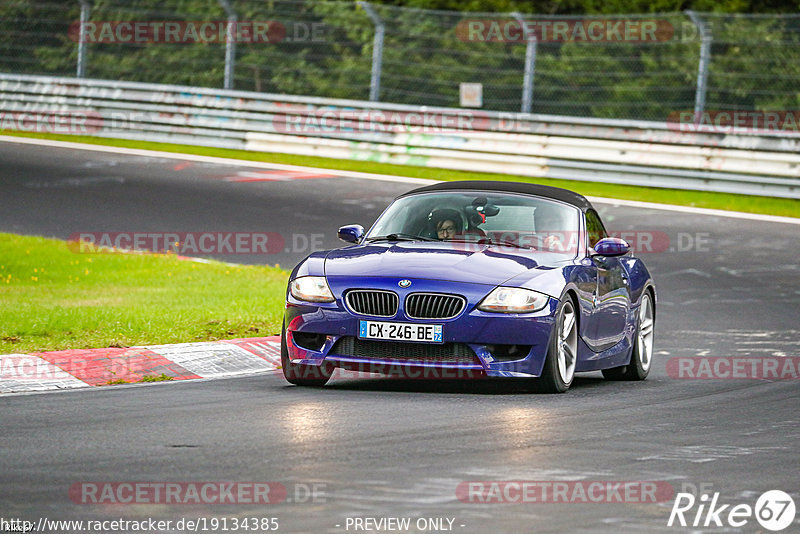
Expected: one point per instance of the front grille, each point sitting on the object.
(404, 352)
(434, 305)
(372, 302)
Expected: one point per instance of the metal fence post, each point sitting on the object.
(230, 43)
(530, 64)
(702, 68)
(377, 52)
(85, 7)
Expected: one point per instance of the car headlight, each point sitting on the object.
(311, 289)
(513, 300)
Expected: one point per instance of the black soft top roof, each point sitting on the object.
(546, 191)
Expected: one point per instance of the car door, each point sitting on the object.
(612, 296)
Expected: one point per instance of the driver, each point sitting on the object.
(446, 222)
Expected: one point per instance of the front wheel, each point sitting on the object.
(642, 356)
(302, 375)
(562, 353)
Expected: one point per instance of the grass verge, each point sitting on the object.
(701, 199)
(55, 299)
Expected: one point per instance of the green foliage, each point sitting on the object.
(153, 378)
(606, 7)
(326, 50)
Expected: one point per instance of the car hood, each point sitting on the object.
(458, 262)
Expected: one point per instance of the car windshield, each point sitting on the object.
(503, 219)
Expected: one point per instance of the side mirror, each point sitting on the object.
(611, 246)
(352, 233)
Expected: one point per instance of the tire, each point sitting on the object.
(642, 354)
(562, 353)
(302, 375)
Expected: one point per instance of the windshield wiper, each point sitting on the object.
(399, 236)
(508, 243)
(489, 241)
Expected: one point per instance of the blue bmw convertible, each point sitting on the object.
(466, 279)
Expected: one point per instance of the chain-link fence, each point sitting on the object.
(626, 66)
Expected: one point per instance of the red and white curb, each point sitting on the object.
(69, 369)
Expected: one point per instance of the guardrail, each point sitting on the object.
(644, 153)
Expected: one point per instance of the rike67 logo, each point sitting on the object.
(774, 510)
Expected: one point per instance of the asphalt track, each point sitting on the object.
(380, 447)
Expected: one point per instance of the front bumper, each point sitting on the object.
(475, 343)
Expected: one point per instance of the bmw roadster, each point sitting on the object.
(457, 279)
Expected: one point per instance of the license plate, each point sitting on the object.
(428, 333)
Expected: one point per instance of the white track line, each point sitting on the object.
(213, 159)
(370, 176)
(697, 211)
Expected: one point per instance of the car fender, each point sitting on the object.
(312, 265)
(639, 280)
(553, 281)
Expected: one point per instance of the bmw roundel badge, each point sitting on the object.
(404, 283)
